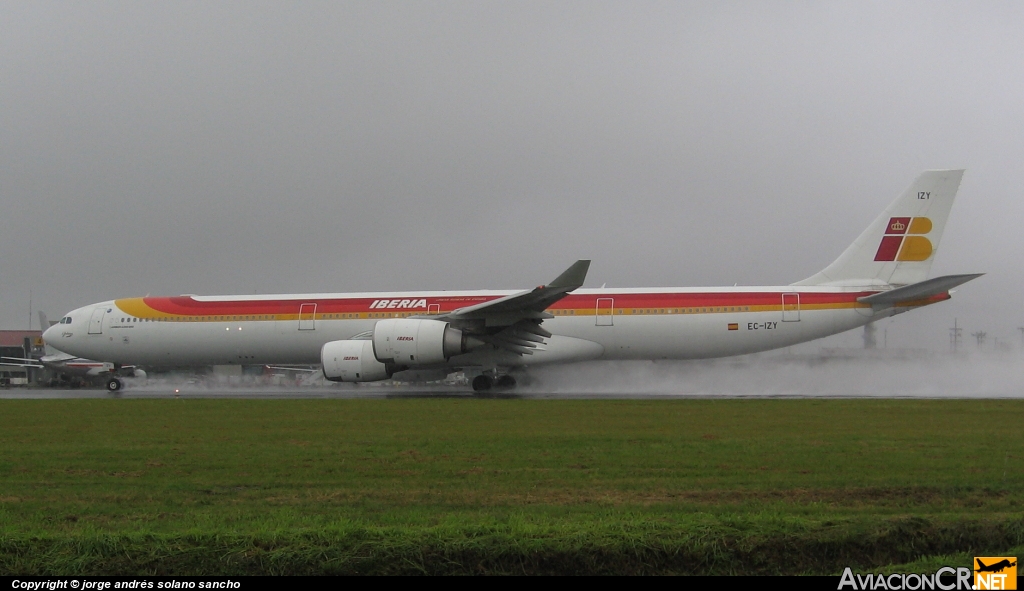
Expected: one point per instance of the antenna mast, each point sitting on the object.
(955, 334)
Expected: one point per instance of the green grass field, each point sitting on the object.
(505, 486)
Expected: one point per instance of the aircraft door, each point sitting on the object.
(96, 322)
(605, 312)
(307, 317)
(791, 307)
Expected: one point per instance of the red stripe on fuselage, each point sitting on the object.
(186, 306)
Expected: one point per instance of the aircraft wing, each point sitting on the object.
(513, 322)
(917, 291)
(526, 304)
(20, 362)
(295, 368)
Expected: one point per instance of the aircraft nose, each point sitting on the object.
(51, 334)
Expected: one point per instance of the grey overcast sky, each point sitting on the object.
(243, 147)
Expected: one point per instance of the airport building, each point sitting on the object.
(19, 344)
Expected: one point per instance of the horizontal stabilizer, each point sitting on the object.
(917, 291)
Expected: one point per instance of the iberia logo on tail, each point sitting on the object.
(904, 240)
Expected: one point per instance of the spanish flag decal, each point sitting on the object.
(734, 326)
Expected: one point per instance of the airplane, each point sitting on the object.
(491, 335)
(75, 371)
(994, 568)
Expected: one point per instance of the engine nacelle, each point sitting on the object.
(406, 341)
(352, 361)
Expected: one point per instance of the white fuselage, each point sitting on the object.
(658, 323)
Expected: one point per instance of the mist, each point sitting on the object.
(781, 375)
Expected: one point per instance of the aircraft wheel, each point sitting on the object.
(113, 384)
(506, 382)
(482, 383)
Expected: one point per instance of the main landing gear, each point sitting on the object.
(113, 385)
(485, 382)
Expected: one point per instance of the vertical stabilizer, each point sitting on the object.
(899, 246)
(43, 325)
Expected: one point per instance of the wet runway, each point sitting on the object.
(442, 392)
(782, 376)
(238, 392)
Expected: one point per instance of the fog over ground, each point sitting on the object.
(208, 148)
(796, 376)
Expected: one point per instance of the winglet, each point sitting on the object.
(530, 303)
(573, 276)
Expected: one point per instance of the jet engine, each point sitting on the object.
(352, 361)
(406, 341)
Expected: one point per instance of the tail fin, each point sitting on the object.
(43, 325)
(899, 246)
